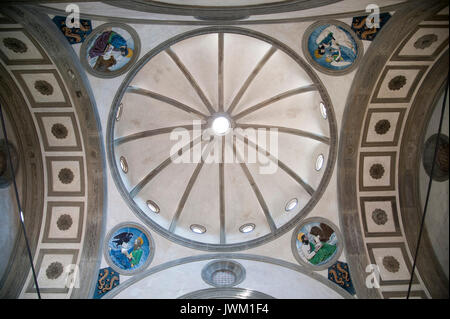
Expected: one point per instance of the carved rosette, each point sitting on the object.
(66, 176)
(397, 83)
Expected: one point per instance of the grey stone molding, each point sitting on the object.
(236, 12)
(40, 26)
(217, 22)
(404, 22)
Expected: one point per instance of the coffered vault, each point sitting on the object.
(310, 126)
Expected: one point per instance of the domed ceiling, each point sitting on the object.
(222, 139)
(213, 187)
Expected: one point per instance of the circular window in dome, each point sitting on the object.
(291, 204)
(198, 229)
(323, 110)
(220, 115)
(119, 112)
(319, 162)
(154, 208)
(247, 228)
(123, 164)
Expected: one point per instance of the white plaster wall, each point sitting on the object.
(276, 281)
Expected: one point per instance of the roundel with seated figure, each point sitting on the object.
(316, 243)
(129, 248)
(332, 47)
(110, 50)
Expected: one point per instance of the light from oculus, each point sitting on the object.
(221, 125)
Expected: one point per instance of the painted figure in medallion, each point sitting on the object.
(316, 243)
(332, 47)
(110, 50)
(129, 248)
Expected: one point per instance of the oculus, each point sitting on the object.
(221, 125)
